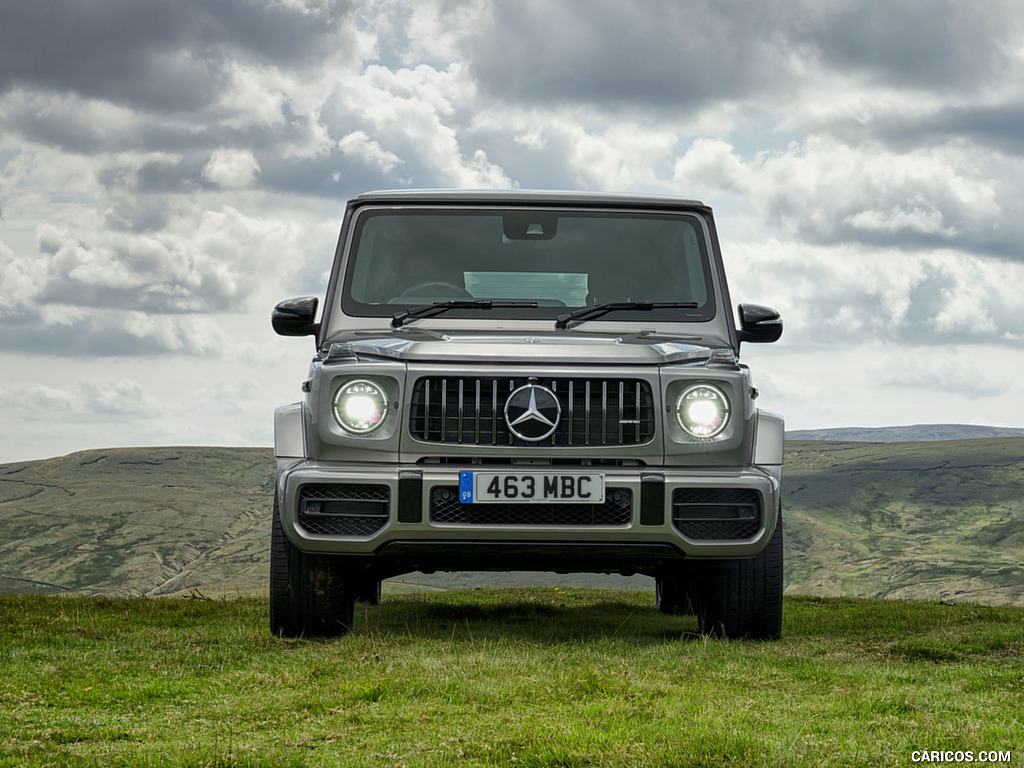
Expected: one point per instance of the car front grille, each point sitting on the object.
(471, 411)
(723, 514)
(617, 510)
(343, 510)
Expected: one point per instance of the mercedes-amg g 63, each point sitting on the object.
(528, 381)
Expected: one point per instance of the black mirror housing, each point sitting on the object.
(760, 325)
(296, 317)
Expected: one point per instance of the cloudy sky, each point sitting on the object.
(170, 169)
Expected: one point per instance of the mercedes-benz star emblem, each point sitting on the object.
(532, 412)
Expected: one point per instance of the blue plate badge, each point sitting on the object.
(466, 487)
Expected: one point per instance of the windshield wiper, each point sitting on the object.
(431, 310)
(589, 313)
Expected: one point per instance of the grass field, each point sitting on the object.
(522, 677)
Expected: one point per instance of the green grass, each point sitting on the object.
(525, 677)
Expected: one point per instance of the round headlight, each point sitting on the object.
(360, 406)
(702, 411)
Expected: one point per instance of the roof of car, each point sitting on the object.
(521, 196)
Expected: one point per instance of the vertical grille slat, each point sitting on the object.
(476, 414)
(471, 411)
(636, 415)
(554, 388)
(494, 412)
(511, 389)
(444, 410)
(570, 410)
(586, 422)
(604, 413)
(462, 401)
(622, 412)
(426, 410)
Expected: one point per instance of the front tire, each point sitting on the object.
(310, 595)
(673, 594)
(370, 592)
(743, 599)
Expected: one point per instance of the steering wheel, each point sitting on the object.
(421, 289)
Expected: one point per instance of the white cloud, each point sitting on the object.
(835, 294)
(358, 145)
(81, 122)
(232, 168)
(878, 384)
(82, 398)
(93, 291)
(256, 96)
(712, 164)
(161, 273)
(437, 30)
(625, 156)
(151, 408)
(827, 191)
(38, 171)
(945, 370)
(917, 216)
(416, 114)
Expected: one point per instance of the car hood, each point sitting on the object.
(507, 347)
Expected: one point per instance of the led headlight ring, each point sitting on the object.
(703, 411)
(360, 406)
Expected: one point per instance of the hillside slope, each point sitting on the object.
(137, 521)
(939, 520)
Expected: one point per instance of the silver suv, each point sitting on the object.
(528, 381)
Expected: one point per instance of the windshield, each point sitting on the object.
(561, 260)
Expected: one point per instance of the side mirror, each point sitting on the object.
(296, 317)
(758, 324)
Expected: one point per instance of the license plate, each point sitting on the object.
(531, 488)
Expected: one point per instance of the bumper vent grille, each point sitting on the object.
(617, 509)
(471, 411)
(343, 510)
(723, 514)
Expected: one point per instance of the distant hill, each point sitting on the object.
(910, 434)
(926, 520)
(137, 521)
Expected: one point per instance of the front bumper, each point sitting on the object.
(392, 512)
